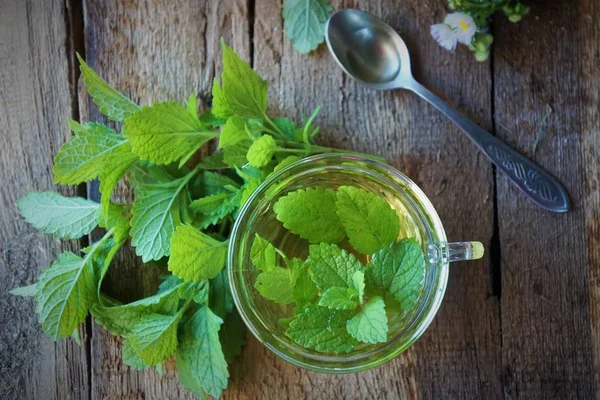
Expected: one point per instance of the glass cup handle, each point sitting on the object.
(463, 251)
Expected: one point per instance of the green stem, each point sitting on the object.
(277, 130)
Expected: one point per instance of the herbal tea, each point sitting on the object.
(340, 268)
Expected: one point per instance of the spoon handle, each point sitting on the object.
(534, 182)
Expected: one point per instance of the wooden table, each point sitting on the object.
(521, 323)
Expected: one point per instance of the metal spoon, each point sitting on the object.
(374, 54)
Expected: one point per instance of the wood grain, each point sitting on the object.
(533, 334)
(152, 51)
(589, 98)
(35, 101)
(547, 343)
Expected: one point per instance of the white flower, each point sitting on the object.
(463, 25)
(444, 35)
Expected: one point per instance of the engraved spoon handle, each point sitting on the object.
(534, 182)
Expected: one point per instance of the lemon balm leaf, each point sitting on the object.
(232, 336)
(233, 132)
(196, 256)
(371, 324)
(261, 151)
(277, 285)
(156, 214)
(110, 102)
(358, 282)
(200, 359)
(116, 165)
(66, 292)
(339, 298)
(220, 108)
(63, 217)
(121, 318)
(84, 155)
(398, 269)
(131, 358)
(166, 132)
(304, 22)
(263, 254)
(154, 337)
(322, 329)
(369, 221)
(310, 213)
(305, 291)
(244, 90)
(331, 266)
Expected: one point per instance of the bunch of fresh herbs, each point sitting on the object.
(182, 213)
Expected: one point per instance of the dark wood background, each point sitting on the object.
(523, 323)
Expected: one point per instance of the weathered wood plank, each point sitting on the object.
(35, 104)
(589, 98)
(547, 344)
(460, 355)
(154, 51)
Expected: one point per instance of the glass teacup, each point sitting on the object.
(418, 220)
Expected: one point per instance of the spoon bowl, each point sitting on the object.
(367, 49)
(371, 52)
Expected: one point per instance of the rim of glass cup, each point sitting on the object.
(370, 358)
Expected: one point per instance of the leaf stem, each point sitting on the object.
(313, 149)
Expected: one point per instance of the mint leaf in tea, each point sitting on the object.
(354, 275)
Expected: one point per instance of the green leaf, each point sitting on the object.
(215, 183)
(286, 126)
(154, 337)
(192, 106)
(305, 291)
(120, 319)
(131, 358)
(233, 132)
(63, 217)
(66, 292)
(200, 356)
(247, 191)
(369, 221)
(277, 284)
(25, 291)
(358, 282)
(245, 91)
(322, 329)
(310, 213)
(198, 291)
(331, 266)
(286, 161)
(261, 151)
(84, 155)
(398, 269)
(218, 205)
(304, 22)
(232, 336)
(208, 118)
(196, 256)
(263, 254)
(235, 155)
(370, 325)
(118, 162)
(110, 102)
(213, 161)
(117, 222)
(220, 300)
(166, 132)
(220, 108)
(156, 214)
(337, 298)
